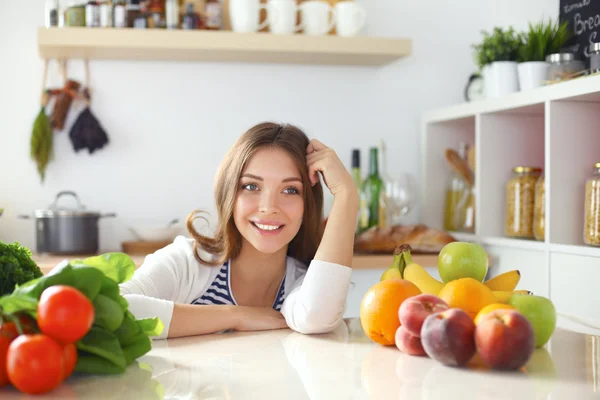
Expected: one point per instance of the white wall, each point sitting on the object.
(170, 123)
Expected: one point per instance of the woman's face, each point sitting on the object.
(270, 202)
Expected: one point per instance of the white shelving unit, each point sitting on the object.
(557, 128)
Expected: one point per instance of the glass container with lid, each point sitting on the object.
(591, 223)
(563, 66)
(520, 202)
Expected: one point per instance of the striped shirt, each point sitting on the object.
(219, 292)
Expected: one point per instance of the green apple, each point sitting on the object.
(540, 312)
(462, 260)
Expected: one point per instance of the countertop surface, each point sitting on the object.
(343, 364)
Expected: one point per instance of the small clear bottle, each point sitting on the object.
(591, 223)
(456, 196)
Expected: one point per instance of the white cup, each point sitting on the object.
(245, 15)
(318, 17)
(285, 23)
(349, 18)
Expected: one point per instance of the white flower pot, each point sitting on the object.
(532, 74)
(500, 78)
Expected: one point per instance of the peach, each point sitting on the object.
(505, 339)
(448, 337)
(414, 310)
(409, 343)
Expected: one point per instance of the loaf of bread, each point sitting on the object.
(421, 239)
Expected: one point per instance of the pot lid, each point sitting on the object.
(55, 210)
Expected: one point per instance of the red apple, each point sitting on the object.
(505, 339)
(414, 310)
(408, 343)
(448, 337)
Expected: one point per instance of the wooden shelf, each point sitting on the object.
(218, 46)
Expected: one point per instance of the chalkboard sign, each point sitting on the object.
(583, 17)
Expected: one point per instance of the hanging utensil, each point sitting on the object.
(41, 142)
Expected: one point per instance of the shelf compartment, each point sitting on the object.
(437, 138)
(218, 46)
(574, 148)
(505, 140)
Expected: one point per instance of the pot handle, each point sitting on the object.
(63, 193)
(23, 216)
(111, 215)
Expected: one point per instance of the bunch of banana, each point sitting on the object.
(503, 285)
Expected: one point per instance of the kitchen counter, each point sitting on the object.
(343, 364)
(360, 261)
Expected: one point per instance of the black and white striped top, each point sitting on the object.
(219, 292)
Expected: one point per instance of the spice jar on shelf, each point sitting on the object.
(520, 201)
(539, 212)
(591, 224)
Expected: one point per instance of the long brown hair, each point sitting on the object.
(227, 241)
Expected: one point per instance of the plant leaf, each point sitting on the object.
(104, 344)
(117, 266)
(108, 313)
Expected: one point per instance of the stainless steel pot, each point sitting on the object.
(67, 231)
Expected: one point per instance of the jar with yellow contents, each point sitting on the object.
(539, 212)
(520, 202)
(591, 223)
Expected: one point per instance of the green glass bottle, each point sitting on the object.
(362, 221)
(373, 187)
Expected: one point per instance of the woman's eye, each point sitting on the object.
(291, 190)
(250, 186)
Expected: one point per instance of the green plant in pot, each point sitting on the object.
(496, 56)
(541, 40)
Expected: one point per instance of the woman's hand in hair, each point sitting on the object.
(321, 158)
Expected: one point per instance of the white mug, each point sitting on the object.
(244, 15)
(285, 23)
(317, 17)
(349, 18)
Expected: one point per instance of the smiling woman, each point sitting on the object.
(269, 264)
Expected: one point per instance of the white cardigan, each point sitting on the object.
(314, 303)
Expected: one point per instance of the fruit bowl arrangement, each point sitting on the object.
(452, 320)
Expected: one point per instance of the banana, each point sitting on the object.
(401, 258)
(506, 282)
(421, 278)
(502, 296)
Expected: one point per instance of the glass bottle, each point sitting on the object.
(106, 19)
(363, 212)
(92, 14)
(133, 9)
(191, 20)
(214, 15)
(539, 212)
(373, 188)
(456, 192)
(591, 223)
(520, 201)
(51, 13)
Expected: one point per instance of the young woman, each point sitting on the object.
(270, 264)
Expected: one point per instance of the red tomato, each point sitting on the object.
(70, 359)
(5, 339)
(35, 363)
(64, 313)
(27, 325)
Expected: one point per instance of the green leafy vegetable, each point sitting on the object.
(138, 348)
(108, 313)
(104, 344)
(93, 364)
(16, 267)
(117, 266)
(88, 280)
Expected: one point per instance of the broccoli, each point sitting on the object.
(16, 267)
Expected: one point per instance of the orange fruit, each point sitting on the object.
(467, 294)
(489, 308)
(379, 309)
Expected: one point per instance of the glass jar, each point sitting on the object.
(539, 212)
(591, 232)
(563, 65)
(520, 201)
